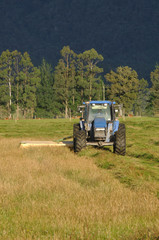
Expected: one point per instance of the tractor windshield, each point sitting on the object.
(99, 110)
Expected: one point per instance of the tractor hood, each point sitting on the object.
(100, 123)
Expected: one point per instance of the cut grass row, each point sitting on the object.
(140, 167)
(52, 193)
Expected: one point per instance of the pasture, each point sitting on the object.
(52, 193)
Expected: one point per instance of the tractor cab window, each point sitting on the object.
(99, 110)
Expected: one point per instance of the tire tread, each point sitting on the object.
(80, 141)
(120, 140)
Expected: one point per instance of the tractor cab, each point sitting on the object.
(98, 109)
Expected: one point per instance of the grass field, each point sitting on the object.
(52, 193)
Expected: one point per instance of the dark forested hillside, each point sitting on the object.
(125, 32)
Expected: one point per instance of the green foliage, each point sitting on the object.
(46, 106)
(88, 71)
(19, 80)
(30, 76)
(7, 79)
(3, 112)
(126, 88)
(155, 90)
(65, 78)
(76, 78)
(141, 102)
(4, 96)
(44, 92)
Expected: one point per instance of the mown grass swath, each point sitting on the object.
(52, 193)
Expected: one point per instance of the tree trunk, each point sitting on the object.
(17, 70)
(24, 113)
(66, 109)
(17, 101)
(82, 96)
(17, 111)
(90, 90)
(10, 96)
(103, 92)
(32, 113)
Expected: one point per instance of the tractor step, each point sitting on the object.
(26, 144)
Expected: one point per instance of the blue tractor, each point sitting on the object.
(99, 127)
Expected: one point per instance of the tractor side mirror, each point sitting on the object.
(80, 108)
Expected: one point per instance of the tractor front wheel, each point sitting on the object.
(79, 141)
(120, 140)
(76, 128)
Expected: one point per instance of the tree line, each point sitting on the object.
(27, 91)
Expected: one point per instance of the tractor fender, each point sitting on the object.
(82, 127)
(115, 126)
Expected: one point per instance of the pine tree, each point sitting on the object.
(46, 106)
(155, 90)
(65, 78)
(17, 56)
(124, 86)
(81, 81)
(30, 79)
(142, 98)
(6, 76)
(9, 70)
(91, 58)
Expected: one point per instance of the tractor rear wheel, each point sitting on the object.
(120, 140)
(79, 141)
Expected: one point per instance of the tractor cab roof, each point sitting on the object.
(99, 102)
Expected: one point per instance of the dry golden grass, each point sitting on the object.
(51, 193)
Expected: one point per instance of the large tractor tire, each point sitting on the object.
(79, 141)
(76, 128)
(120, 140)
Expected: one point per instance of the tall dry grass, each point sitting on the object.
(51, 193)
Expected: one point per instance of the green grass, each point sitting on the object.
(52, 193)
(46, 129)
